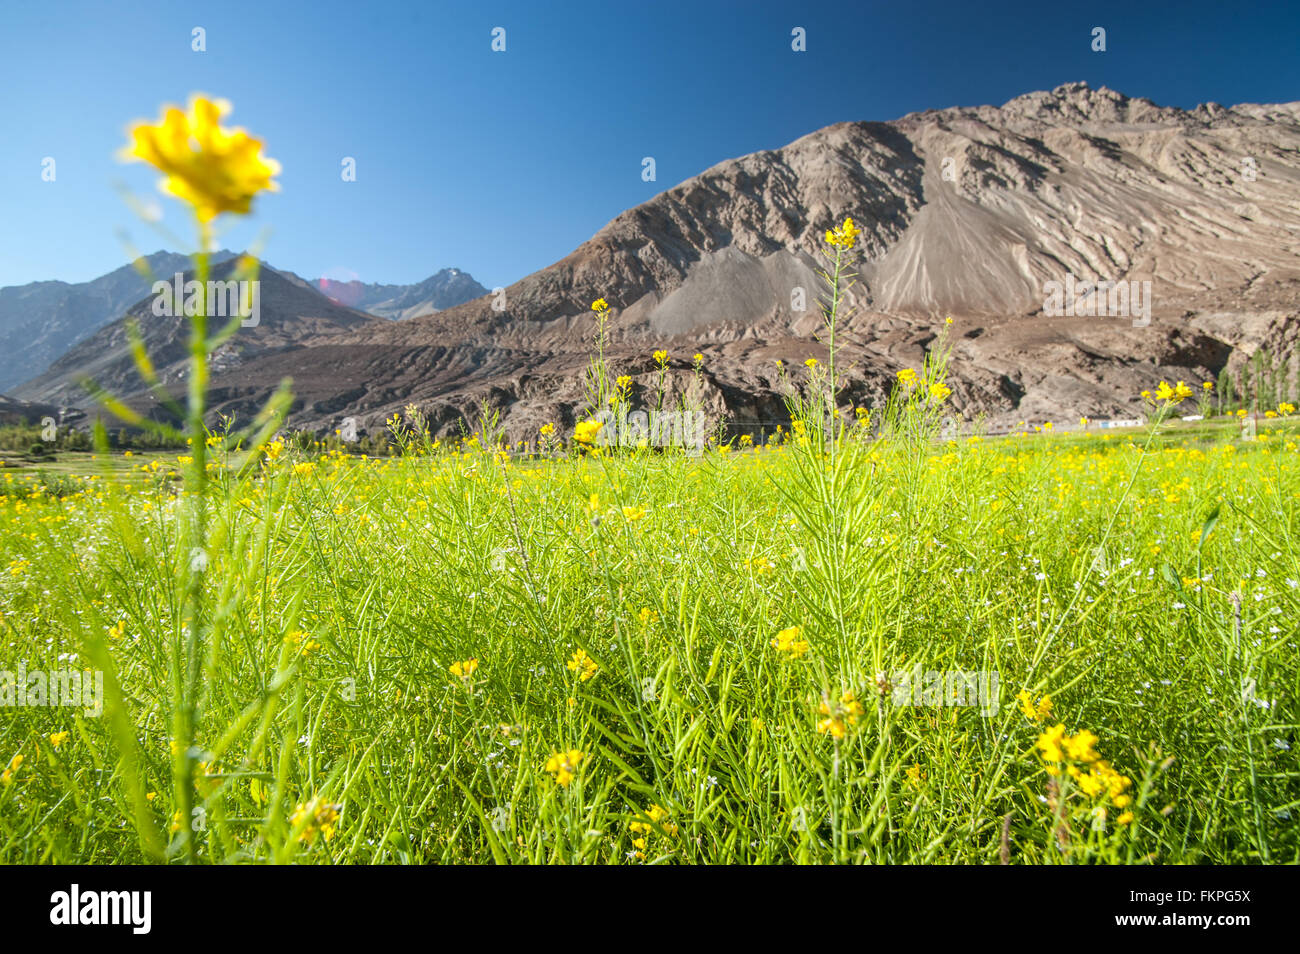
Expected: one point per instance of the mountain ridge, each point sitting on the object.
(965, 211)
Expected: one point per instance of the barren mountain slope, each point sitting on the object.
(968, 212)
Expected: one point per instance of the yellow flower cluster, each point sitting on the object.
(1034, 712)
(1172, 394)
(1094, 776)
(564, 766)
(583, 665)
(303, 641)
(585, 431)
(464, 669)
(788, 641)
(657, 818)
(7, 776)
(843, 236)
(318, 818)
(839, 714)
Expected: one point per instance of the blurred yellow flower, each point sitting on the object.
(464, 669)
(215, 170)
(317, 818)
(788, 641)
(584, 432)
(564, 766)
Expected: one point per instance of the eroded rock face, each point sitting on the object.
(968, 212)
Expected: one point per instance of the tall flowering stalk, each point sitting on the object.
(214, 171)
(841, 239)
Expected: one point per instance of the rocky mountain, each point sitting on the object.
(290, 311)
(41, 320)
(446, 289)
(973, 212)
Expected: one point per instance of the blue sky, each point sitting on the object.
(501, 163)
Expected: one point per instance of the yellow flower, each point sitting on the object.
(600, 306)
(302, 639)
(1079, 748)
(584, 432)
(1286, 408)
(633, 514)
(1174, 394)
(939, 391)
(839, 714)
(547, 429)
(843, 236)
(1049, 743)
(274, 450)
(1207, 385)
(1124, 818)
(915, 775)
(583, 665)
(318, 818)
(623, 382)
(661, 357)
(564, 766)
(58, 738)
(699, 358)
(6, 777)
(1035, 713)
(811, 363)
(788, 641)
(907, 377)
(464, 669)
(657, 819)
(213, 169)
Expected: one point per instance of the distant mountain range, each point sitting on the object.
(969, 212)
(42, 320)
(449, 287)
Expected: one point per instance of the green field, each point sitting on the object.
(459, 655)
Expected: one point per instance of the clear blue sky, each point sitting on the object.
(501, 163)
